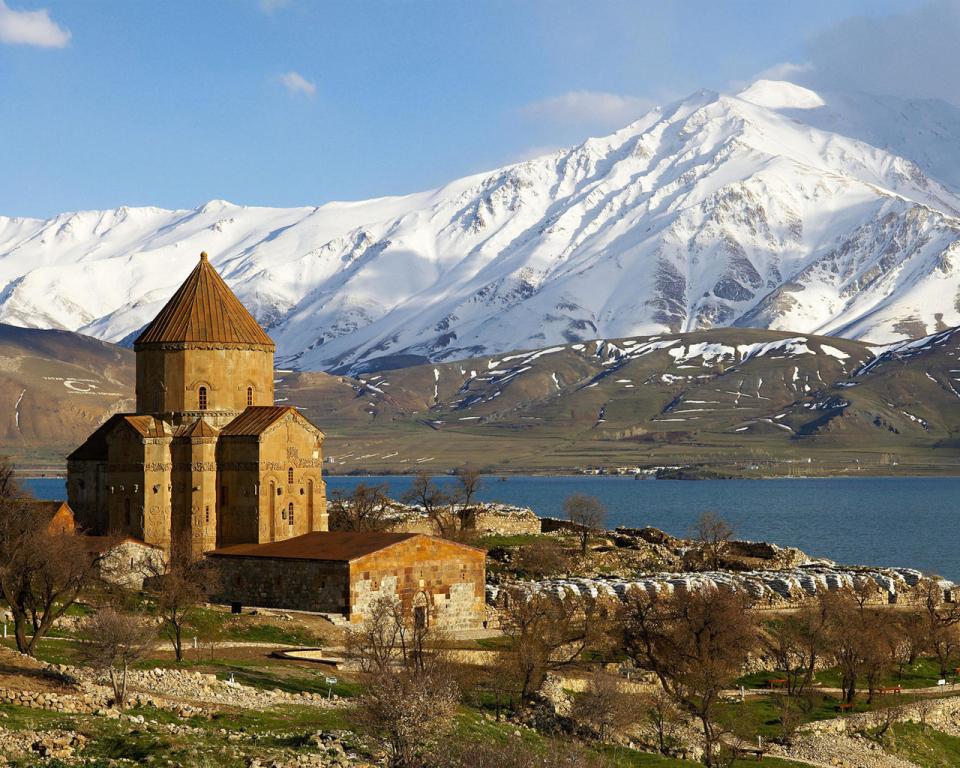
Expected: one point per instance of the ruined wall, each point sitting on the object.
(485, 519)
(305, 585)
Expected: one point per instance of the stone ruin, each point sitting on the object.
(774, 589)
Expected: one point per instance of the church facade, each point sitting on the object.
(208, 460)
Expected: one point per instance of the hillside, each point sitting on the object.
(56, 388)
(737, 401)
(774, 208)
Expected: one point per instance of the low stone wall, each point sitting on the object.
(487, 519)
(769, 588)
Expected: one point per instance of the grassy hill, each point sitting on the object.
(740, 402)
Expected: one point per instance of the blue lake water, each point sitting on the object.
(877, 521)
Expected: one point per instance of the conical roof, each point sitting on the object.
(204, 310)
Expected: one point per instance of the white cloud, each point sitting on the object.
(598, 108)
(297, 83)
(31, 28)
(785, 70)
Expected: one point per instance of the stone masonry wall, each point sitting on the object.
(445, 578)
(306, 585)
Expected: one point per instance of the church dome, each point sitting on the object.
(204, 311)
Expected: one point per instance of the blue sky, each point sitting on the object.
(295, 102)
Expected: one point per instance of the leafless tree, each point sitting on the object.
(542, 558)
(604, 706)
(450, 511)
(41, 573)
(117, 640)
(713, 534)
(797, 642)
(941, 619)
(179, 584)
(587, 515)
(696, 642)
(547, 633)
(364, 509)
(411, 691)
(660, 711)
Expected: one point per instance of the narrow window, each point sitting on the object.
(249, 395)
(202, 395)
(283, 514)
(290, 513)
(290, 476)
(206, 512)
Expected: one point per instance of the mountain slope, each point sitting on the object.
(56, 387)
(734, 400)
(715, 211)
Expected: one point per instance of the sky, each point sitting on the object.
(106, 103)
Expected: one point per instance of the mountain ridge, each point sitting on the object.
(717, 210)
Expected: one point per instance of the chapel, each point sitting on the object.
(208, 460)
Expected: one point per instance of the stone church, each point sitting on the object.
(208, 459)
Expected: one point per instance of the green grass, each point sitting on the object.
(923, 746)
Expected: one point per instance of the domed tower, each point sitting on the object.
(204, 355)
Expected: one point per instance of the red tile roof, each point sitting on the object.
(255, 419)
(204, 309)
(340, 546)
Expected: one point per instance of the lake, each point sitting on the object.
(902, 521)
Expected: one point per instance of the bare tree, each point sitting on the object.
(941, 619)
(696, 642)
(179, 585)
(41, 573)
(546, 633)
(662, 714)
(116, 640)
(797, 642)
(587, 515)
(411, 693)
(714, 534)
(450, 511)
(542, 558)
(365, 509)
(604, 706)
(380, 642)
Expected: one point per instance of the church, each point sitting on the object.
(208, 460)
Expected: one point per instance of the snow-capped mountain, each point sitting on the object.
(777, 207)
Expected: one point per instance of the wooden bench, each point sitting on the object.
(844, 706)
(739, 752)
(895, 690)
(776, 682)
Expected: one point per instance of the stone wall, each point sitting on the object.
(445, 579)
(485, 519)
(306, 585)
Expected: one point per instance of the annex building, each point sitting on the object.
(207, 459)
(345, 572)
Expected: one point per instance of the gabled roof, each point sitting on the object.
(199, 428)
(255, 419)
(147, 426)
(204, 310)
(338, 546)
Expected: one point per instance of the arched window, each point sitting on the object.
(290, 513)
(202, 398)
(290, 476)
(249, 395)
